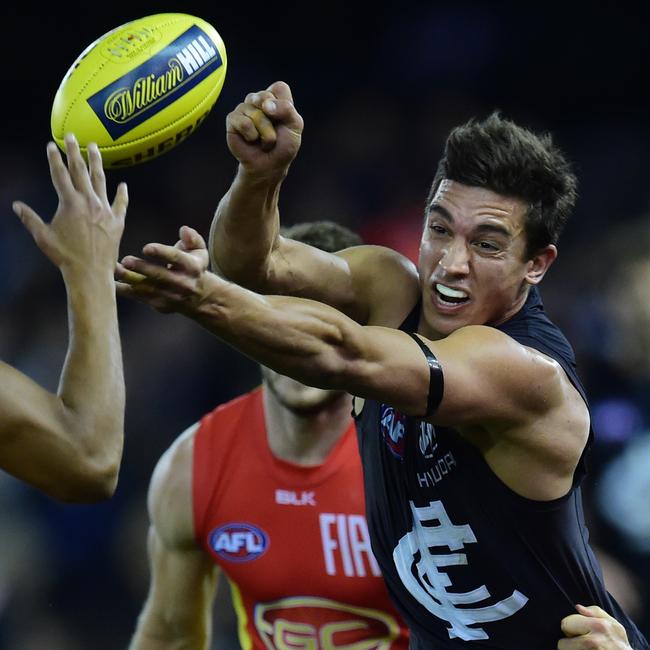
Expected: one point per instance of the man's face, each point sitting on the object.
(472, 266)
(297, 397)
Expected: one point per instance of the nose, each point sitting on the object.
(455, 259)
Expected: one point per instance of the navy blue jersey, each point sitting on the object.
(469, 562)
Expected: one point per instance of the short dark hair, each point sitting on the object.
(326, 235)
(508, 159)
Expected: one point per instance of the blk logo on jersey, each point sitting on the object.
(292, 498)
(239, 542)
(423, 574)
(393, 429)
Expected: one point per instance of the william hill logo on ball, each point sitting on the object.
(147, 89)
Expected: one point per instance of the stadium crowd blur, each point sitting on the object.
(378, 93)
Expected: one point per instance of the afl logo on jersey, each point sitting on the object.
(393, 429)
(238, 542)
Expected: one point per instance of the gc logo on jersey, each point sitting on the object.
(393, 429)
(238, 542)
(282, 625)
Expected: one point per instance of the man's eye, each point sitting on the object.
(487, 246)
(440, 230)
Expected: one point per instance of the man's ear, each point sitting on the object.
(540, 263)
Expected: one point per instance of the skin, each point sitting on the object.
(303, 424)
(592, 629)
(183, 585)
(69, 444)
(474, 242)
(501, 396)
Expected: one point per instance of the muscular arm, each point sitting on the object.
(177, 614)
(488, 376)
(245, 241)
(69, 444)
(504, 397)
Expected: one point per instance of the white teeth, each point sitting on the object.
(452, 293)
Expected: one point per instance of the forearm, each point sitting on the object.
(245, 228)
(154, 634)
(290, 335)
(317, 345)
(91, 387)
(177, 614)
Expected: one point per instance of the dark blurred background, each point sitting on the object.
(378, 89)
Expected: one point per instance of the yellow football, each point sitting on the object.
(142, 88)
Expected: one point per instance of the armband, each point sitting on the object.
(436, 379)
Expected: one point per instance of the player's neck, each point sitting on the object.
(305, 439)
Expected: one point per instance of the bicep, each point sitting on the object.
(359, 281)
(489, 378)
(36, 444)
(485, 376)
(300, 270)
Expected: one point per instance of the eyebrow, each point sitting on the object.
(484, 227)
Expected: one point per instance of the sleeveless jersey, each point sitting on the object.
(470, 563)
(292, 540)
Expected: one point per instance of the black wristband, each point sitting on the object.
(436, 379)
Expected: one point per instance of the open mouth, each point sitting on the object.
(449, 296)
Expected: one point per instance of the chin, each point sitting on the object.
(444, 325)
(309, 402)
(297, 397)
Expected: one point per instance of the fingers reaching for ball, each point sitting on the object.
(171, 278)
(83, 236)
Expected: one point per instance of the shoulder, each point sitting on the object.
(362, 259)
(170, 491)
(495, 348)
(389, 280)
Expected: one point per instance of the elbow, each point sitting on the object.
(92, 488)
(99, 486)
(333, 372)
(92, 480)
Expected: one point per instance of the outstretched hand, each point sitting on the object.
(176, 280)
(592, 629)
(86, 229)
(264, 132)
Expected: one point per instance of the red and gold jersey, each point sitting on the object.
(292, 540)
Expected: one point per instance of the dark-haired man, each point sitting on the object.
(475, 425)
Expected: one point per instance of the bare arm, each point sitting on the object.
(245, 231)
(177, 614)
(70, 444)
(487, 375)
(264, 134)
